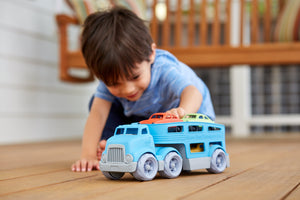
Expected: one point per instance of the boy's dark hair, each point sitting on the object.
(113, 42)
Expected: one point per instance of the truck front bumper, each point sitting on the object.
(118, 167)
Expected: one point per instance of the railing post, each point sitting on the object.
(239, 80)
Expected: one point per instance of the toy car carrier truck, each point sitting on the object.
(167, 148)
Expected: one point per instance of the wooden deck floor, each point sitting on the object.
(260, 169)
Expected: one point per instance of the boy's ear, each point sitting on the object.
(152, 56)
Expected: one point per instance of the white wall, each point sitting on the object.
(34, 104)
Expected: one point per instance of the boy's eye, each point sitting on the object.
(135, 77)
(112, 84)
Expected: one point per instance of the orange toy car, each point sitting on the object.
(158, 118)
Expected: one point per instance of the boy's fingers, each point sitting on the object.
(172, 111)
(80, 165)
(181, 112)
(83, 165)
(77, 166)
(96, 165)
(90, 166)
(102, 144)
(73, 167)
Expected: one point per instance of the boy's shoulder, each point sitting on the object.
(160, 53)
(165, 58)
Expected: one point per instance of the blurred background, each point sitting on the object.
(35, 105)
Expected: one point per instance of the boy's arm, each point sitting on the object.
(92, 133)
(190, 101)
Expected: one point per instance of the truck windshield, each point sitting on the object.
(132, 131)
(120, 131)
(144, 131)
(157, 116)
(191, 116)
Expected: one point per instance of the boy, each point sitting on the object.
(136, 80)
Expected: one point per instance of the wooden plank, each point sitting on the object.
(242, 16)
(77, 186)
(280, 53)
(178, 24)
(191, 24)
(216, 24)
(294, 194)
(267, 21)
(285, 54)
(228, 23)
(36, 100)
(246, 156)
(254, 22)
(36, 169)
(27, 20)
(254, 174)
(166, 27)
(38, 76)
(38, 6)
(153, 25)
(271, 180)
(203, 22)
(76, 60)
(27, 183)
(199, 180)
(27, 128)
(32, 154)
(29, 85)
(27, 46)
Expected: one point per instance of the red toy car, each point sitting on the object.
(158, 118)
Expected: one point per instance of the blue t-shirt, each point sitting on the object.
(168, 79)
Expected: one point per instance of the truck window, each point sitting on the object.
(195, 128)
(157, 116)
(215, 143)
(213, 128)
(144, 131)
(175, 129)
(120, 131)
(197, 147)
(132, 131)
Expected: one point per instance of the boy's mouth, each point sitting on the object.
(132, 96)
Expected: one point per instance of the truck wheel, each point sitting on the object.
(172, 165)
(147, 167)
(218, 162)
(113, 175)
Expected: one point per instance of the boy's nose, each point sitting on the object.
(128, 88)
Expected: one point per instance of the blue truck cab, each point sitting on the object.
(125, 148)
(167, 148)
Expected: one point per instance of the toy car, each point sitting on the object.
(197, 117)
(161, 118)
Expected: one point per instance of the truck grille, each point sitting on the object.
(115, 154)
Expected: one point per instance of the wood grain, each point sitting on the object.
(260, 169)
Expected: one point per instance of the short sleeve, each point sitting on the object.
(103, 93)
(175, 82)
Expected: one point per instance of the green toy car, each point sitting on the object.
(196, 117)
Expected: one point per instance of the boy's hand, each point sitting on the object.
(100, 149)
(84, 165)
(180, 112)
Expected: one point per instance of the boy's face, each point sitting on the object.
(133, 87)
